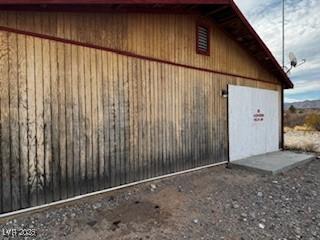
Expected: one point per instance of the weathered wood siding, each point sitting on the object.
(164, 36)
(76, 119)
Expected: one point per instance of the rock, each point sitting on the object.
(92, 223)
(244, 215)
(97, 205)
(252, 215)
(153, 187)
(235, 205)
(111, 198)
(261, 225)
(297, 230)
(196, 221)
(260, 194)
(275, 182)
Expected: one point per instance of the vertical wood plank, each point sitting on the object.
(40, 181)
(117, 121)
(180, 160)
(140, 119)
(101, 125)
(174, 103)
(148, 120)
(82, 121)
(121, 120)
(23, 119)
(5, 125)
(144, 104)
(94, 118)
(112, 109)
(75, 88)
(106, 116)
(126, 114)
(62, 120)
(69, 116)
(155, 119)
(32, 175)
(14, 130)
(130, 134)
(164, 120)
(47, 128)
(135, 90)
(55, 108)
(88, 115)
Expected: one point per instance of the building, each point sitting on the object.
(100, 93)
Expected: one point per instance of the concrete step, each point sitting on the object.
(274, 162)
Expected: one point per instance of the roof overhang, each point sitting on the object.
(224, 13)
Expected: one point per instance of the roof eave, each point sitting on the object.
(14, 2)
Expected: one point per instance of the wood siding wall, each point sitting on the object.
(164, 36)
(76, 119)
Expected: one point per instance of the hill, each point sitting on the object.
(308, 104)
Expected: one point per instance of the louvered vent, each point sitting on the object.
(202, 39)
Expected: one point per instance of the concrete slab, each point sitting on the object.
(273, 163)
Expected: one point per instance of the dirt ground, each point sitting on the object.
(214, 203)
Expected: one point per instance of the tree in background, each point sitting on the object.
(292, 109)
(313, 121)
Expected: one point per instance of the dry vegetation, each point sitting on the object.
(302, 129)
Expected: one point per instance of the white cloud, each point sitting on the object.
(303, 87)
(290, 100)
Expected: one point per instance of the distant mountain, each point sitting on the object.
(303, 105)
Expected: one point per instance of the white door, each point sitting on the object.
(254, 121)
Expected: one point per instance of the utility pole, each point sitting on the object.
(283, 34)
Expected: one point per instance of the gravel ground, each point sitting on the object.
(215, 203)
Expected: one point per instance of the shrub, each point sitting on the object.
(306, 147)
(310, 147)
(313, 121)
(292, 119)
(292, 109)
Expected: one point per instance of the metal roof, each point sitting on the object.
(224, 13)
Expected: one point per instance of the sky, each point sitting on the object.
(302, 36)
